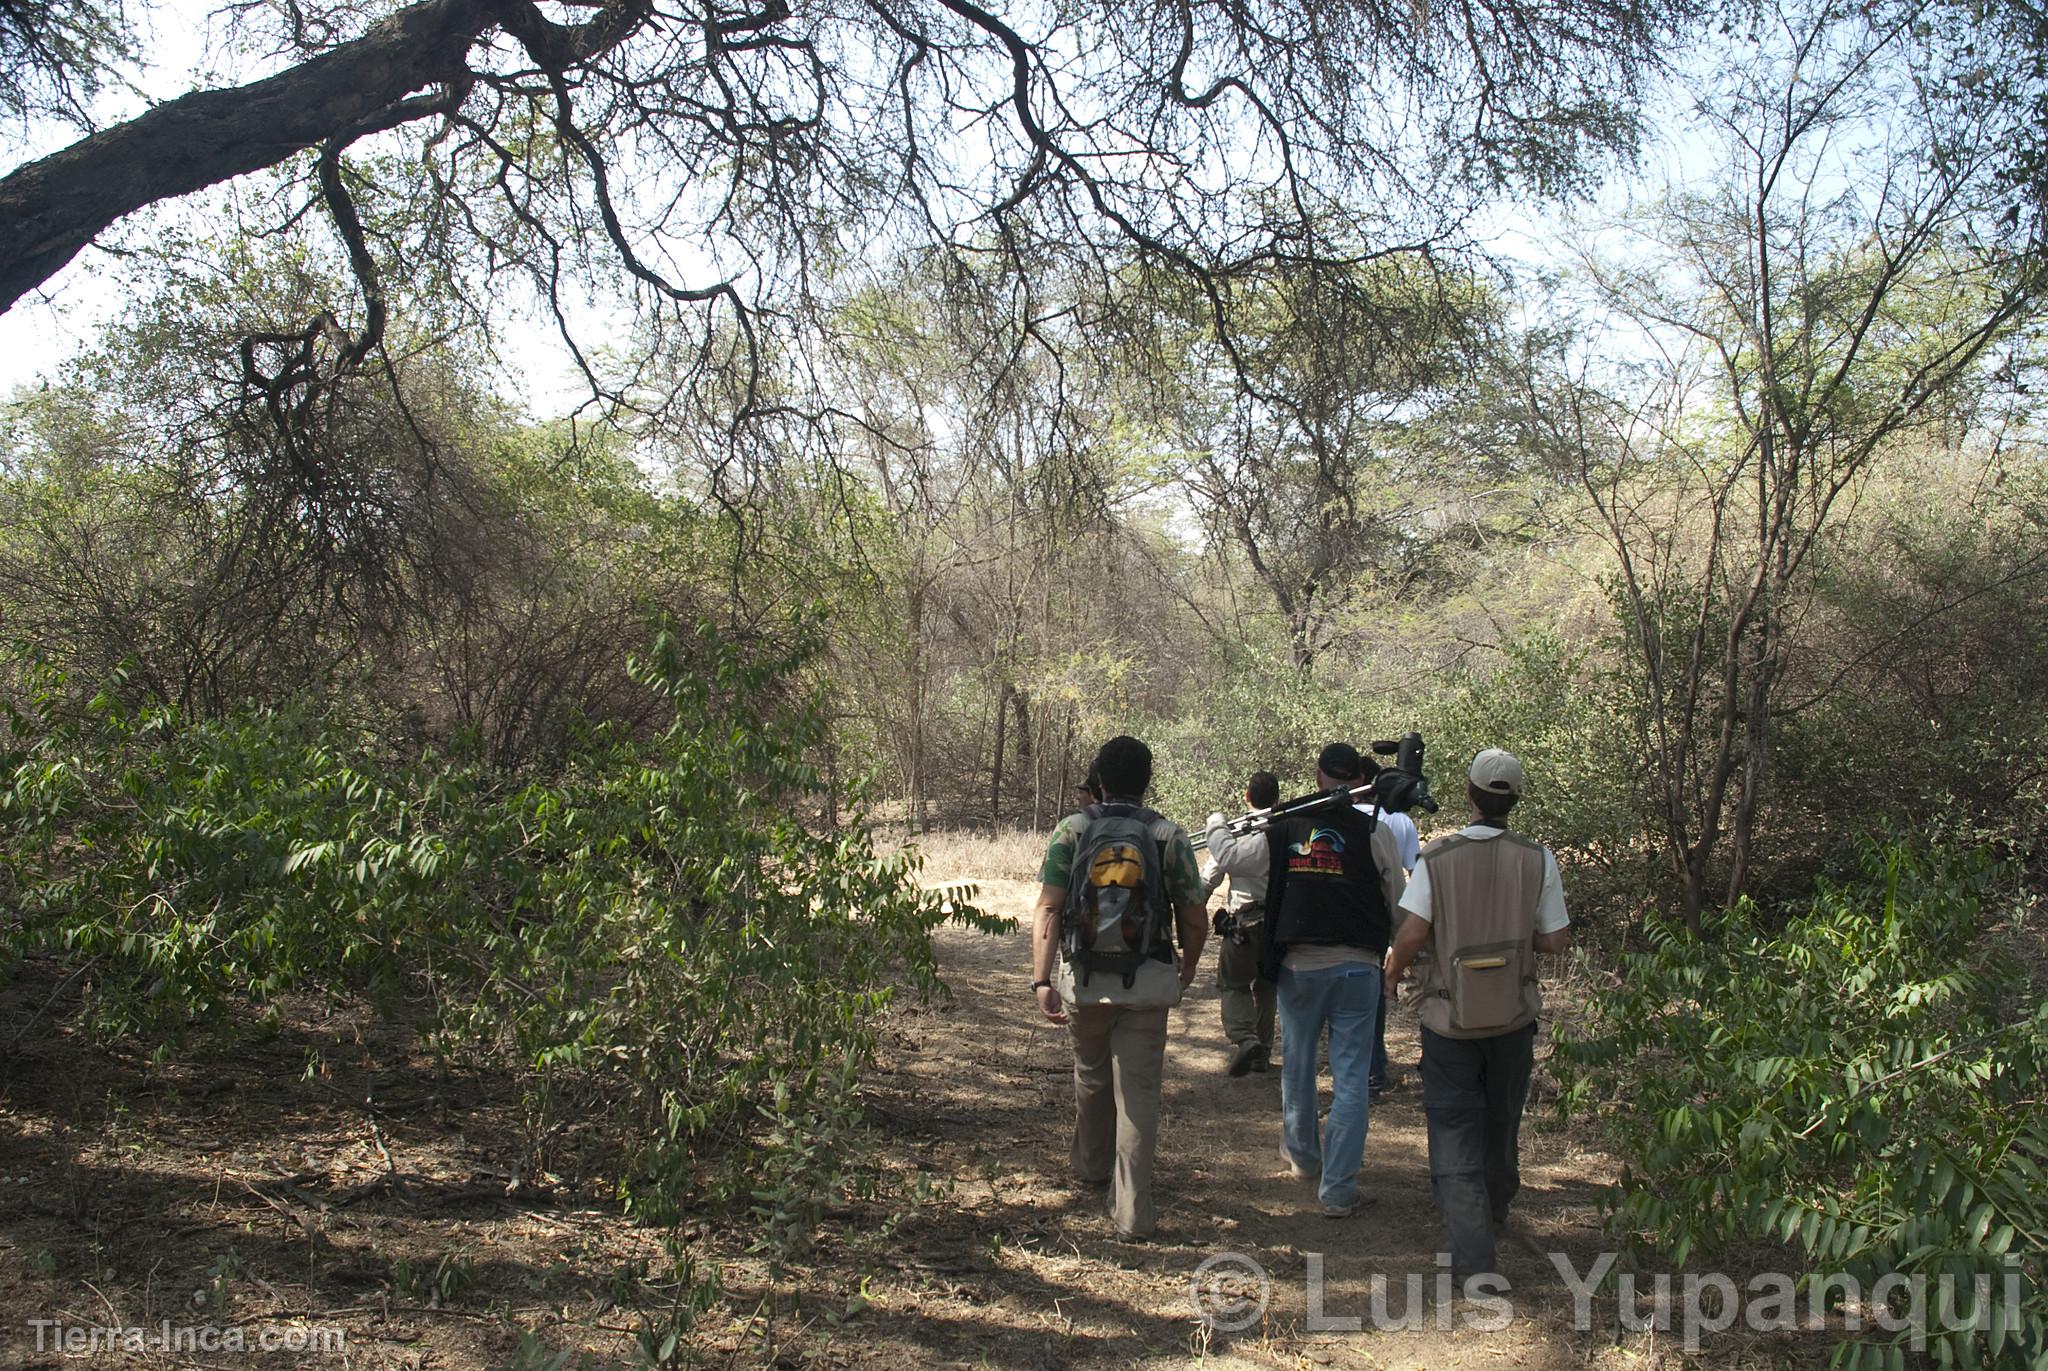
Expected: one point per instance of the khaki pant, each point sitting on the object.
(1119, 1058)
(1247, 996)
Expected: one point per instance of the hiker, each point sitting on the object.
(1333, 881)
(1484, 902)
(1408, 842)
(1247, 996)
(1133, 882)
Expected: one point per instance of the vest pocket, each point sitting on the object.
(1486, 986)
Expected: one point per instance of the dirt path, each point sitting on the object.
(232, 1187)
(1025, 1270)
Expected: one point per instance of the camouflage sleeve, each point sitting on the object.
(1058, 866)
(1183, 876)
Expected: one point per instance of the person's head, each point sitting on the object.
(1494, 783)
(1262, 791)
(1339, 764)
(1124, 767)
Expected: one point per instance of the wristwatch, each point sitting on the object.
(1037, 986)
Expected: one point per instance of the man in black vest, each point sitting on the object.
(1335, 877)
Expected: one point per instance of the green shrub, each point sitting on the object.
(1863, 1087)
(1547, 702)
(649, 928)
(1259, 714)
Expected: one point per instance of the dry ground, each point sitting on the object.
(386, 1197)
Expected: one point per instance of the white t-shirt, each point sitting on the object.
(1550, 915)
(1406, 838)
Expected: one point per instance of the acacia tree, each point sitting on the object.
(1810, 313)
(712, 161)
(1308, 451)
(959, 511)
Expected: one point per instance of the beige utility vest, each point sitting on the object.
(1479, 977)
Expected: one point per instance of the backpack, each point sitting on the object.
(1116, 916)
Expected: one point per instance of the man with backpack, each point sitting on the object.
(1247, 996)
(1334, 879)
(1118, 882)
(1485, 901)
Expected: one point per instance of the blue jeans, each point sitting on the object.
(1378, 1075)
(1347, 998)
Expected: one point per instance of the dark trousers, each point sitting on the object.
(1376, 1078)
(1473, 1090)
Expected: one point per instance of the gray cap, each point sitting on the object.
(1498, 772)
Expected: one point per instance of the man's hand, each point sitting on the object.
(1411, 939)
(1045, 937)
(1192, 924)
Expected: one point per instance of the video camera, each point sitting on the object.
(1395, 789)
(1402, 786)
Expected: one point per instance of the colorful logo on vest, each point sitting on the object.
(1321, 851)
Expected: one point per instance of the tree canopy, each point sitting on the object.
(718, 164)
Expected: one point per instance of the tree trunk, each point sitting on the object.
(913, 816)
(1756, 748)
(1038, 774)
(51, 208)
(832, 786)
(1066, 785)
(1692, 878)
(995, 785)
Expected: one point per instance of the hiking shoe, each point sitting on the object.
(1340, 1211)
(1264, 1059)
(1243, 1055)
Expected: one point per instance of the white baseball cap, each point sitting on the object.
(1497, 771)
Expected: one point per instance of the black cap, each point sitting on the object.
(1340, 762)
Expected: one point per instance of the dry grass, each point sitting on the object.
(1011, 854)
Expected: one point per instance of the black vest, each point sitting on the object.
(1331, 893)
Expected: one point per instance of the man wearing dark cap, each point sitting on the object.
(1484, 902)
(1334, 880)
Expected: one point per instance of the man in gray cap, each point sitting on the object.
(1485, 901)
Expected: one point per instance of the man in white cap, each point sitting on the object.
(1485, 901)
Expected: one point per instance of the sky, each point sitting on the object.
(50, 326)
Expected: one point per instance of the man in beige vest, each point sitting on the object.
(1483, 902)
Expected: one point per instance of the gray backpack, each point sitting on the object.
(1117, 915)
